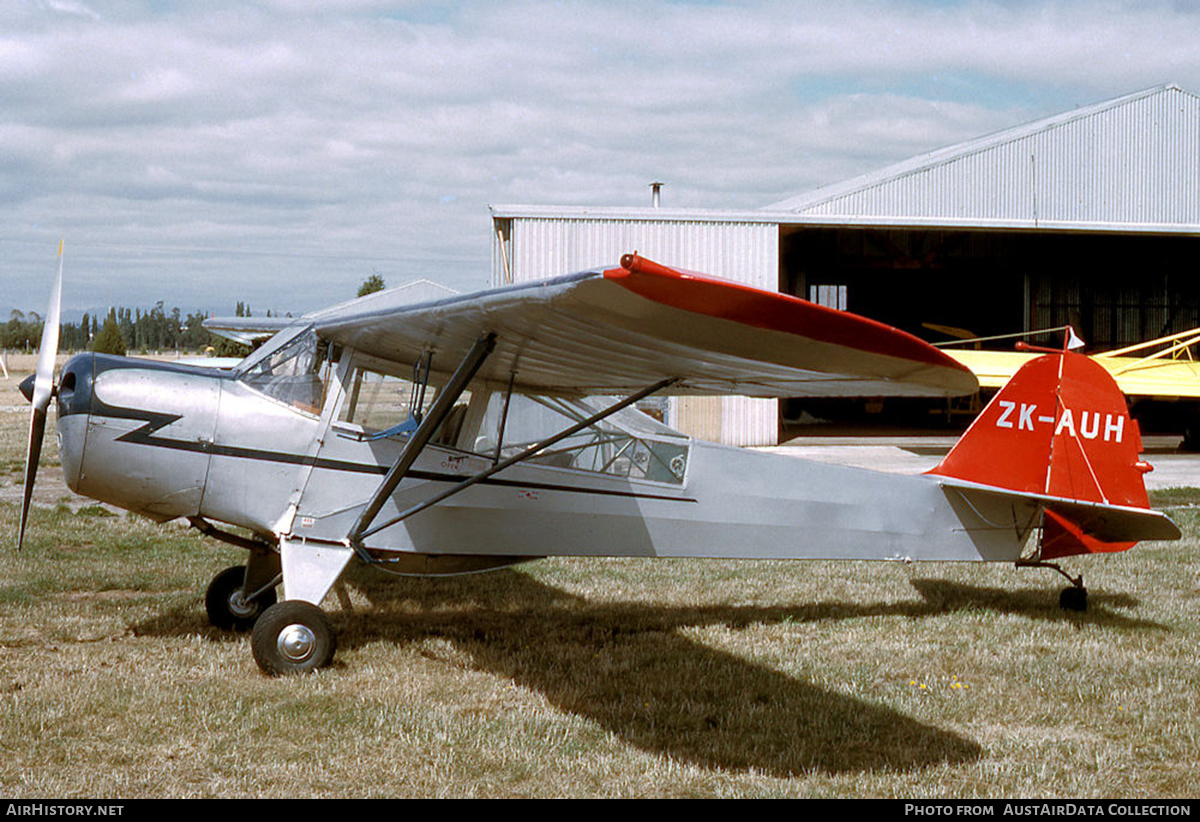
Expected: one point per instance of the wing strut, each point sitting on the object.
(441, 409)
(523, 455)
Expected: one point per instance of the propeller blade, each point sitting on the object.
(43, 390)
(37, 428)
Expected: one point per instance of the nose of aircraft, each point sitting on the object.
(74, 403)
(137, 433)
(75, 386)
(26, 387)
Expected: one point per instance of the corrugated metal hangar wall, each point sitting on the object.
(532, 243)
(1091, 217)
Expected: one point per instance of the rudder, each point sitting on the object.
(1059, 428)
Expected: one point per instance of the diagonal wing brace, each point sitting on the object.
(519, 457)
(442, 407)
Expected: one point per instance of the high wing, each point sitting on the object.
(247, 330)
(254, 330)
(617, 330)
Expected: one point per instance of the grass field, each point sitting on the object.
(611, 678)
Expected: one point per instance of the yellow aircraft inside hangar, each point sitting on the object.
(1162, 371)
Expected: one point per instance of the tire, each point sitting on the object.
(1073, 599)
(292, 637)
(225, 606)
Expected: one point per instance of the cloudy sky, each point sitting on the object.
(279, 152)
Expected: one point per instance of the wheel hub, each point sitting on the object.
(239, 606)
(296, 642)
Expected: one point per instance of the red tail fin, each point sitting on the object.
(1060, 428)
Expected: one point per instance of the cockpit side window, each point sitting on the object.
(383, 405)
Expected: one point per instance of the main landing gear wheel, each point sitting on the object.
(226, 604)
(292, 637)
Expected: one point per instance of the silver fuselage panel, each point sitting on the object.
(168, 441)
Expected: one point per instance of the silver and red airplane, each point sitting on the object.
(478, 431)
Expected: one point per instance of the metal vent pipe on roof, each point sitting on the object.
(655, 194)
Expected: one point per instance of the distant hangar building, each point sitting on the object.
(1089, 218)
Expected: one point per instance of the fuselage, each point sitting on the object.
(167, 441)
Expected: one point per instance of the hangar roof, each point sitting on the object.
(1132, 162)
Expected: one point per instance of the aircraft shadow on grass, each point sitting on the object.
(629, 668)
(1033, 603)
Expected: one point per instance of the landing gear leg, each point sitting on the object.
(1072, 598)
(238, 595)
(295, 636)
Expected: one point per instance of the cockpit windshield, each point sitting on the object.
(292, 368)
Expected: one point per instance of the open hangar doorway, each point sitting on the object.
(1114, 288)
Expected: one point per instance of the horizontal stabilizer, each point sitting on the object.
(1104, 522)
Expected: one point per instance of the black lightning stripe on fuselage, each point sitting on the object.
(144, 435)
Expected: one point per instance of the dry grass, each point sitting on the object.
(598, 678)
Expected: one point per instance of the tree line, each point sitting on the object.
(132, 330)
(123, 330)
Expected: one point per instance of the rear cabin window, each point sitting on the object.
(627, 444)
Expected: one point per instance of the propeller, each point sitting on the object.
(41, 391)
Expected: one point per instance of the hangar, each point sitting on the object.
(1090, 217)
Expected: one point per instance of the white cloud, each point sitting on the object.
(72, 8)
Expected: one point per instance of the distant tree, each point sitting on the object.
(193, 335)
(124, 321)
(109, 340)
(223, 347)
(21, 331)
(371, 284)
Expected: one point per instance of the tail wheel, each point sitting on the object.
(292, 637)
(1073, 598)
(226, 603)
